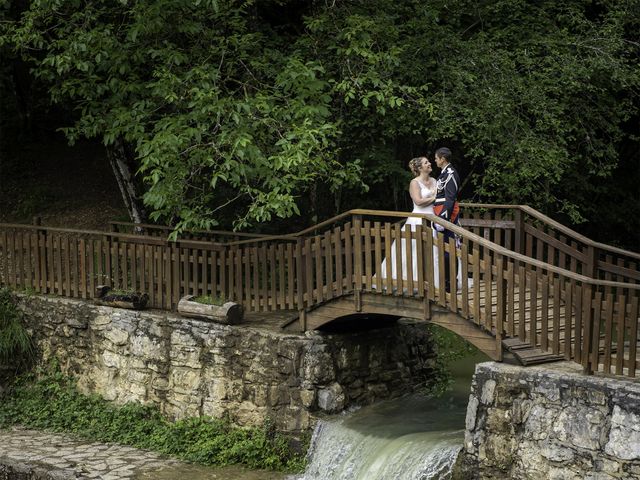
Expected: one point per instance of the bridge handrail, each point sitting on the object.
(458, 230)
(558, 226)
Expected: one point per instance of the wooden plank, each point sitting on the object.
(488, 286)
(26, 243)
(299, 275)
(282, 269)
(42, 244)
(419, 235)
(149, 273)
(248, 292)
(272, 277)
(357, 251)
(168, 277)
(291, 269)
(66, 264)
(620, 334)
(367, 256)
(397, 242)
(337, 239)
(328, 265)
(408, 242)
(608, 332)
(511, 302)
(318, 266)
(522, 284)
(308, 268)
(594, 335)
(264, 289)
(238, 273)
(557, 299)
(107, 260)
(91, 267)
(348, 257)
(255, 262)
(501, 298)
(213, 273)
(476, 285)
(633, 335)
(176, 266)
(568, 314)
(442, 292)
(58, 259)
(430, 255)
(75, 280)
(544, 313)
(225, 291)
(378, 254)
(115, 264)
(533, 309)
(453, 274)
(388, 260)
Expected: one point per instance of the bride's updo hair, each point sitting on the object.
(415, 164)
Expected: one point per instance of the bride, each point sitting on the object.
(423, 193)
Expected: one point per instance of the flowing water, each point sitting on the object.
(413, 438)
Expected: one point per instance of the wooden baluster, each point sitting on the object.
(328, 265)
(577, 331)
(633, 334)
(568, 321)
(608, 331)
(430, 256)
(408, 235)
(319, 272)
(300, 283)
(501, 304)
(522, 298)
(308, 257)
(453, 274)
(367, 256)
(544, 312)
(398, 246)
(272, 270)
(557, 299)
(620, 333)
(256, 278)
(262, 253)
(337, 238)
(519, 234)
(357, 251)
(378, 256)
(464, 274)
(348, 256)
(282, 285)
(291, 270)
(587, 327)
(477, 283)
(488, 290)
(419, 235)
(442, 293)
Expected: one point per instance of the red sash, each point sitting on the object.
(437, 209)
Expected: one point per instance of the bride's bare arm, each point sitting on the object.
(414, 191)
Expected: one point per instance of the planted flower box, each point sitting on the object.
(119, 298)
(229, 313)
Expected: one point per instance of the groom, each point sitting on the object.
(446, 204)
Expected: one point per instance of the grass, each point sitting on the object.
(49, 400)
(209, 300)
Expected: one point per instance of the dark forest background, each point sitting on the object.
(270, 115)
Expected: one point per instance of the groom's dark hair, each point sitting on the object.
(444, 152)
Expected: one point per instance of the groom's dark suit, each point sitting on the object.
(446, 207)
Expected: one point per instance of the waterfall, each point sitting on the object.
(340, 453)
(411, 438)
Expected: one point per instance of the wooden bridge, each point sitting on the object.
(529, 284)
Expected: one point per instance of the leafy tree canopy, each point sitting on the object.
(236, 108)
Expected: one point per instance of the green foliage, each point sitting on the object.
(49, 400)
(16, 347)
(449, 347)
(239, 109)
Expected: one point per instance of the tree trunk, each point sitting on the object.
(121, 160)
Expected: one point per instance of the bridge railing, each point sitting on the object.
(523, 229)
(587, 320)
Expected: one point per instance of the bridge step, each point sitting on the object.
(528, 355)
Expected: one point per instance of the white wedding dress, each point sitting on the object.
(425, 191)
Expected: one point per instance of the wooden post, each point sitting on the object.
(519, 231)
(591, 266)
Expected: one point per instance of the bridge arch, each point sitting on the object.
(357, 306)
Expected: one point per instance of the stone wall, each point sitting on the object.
(190, 367)
(551, 422)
